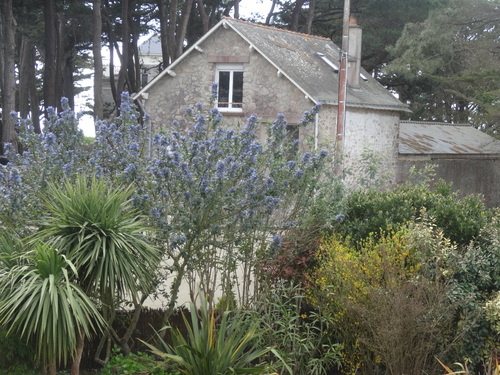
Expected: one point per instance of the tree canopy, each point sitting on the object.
(440, 56)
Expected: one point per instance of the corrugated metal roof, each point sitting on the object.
(443, 138)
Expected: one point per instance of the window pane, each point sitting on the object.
(237, 89)
(223, 89)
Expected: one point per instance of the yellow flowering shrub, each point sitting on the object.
(373, 293)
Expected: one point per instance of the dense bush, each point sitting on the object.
(299, 335)
(372, 211)
(410, 287)
(385, 298)
(14, 353)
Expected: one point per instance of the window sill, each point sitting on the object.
(231, 113)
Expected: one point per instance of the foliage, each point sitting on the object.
(14, 353)
(229, 347)
(51, 156)
(218, 195)
(492, 369)
(140, 363)
(372, 211)
(474, 283)
(41, 302)
(215, 196)
(446, 67)
(299, 337)
(385, 297)
(96, 227)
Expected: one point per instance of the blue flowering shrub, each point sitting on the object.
(220, 197)
(56, 153)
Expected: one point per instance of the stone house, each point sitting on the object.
(265, 71)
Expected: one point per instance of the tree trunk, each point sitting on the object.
(294, 23)
(49, 71)
(183, 25)
(172, 26)
(65, 64)
(52, 367)
(60, 37)
(122, 75)
(271, 13)
(80, 343)
(111, 37)
(8, 132)
(310, 16)
(163, 14)
(28, 99)
(96, 48)
(203, 15)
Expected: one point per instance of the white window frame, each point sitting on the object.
(231, 68)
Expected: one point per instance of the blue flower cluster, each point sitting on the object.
(204, 186)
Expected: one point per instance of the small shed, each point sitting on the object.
(462, 154)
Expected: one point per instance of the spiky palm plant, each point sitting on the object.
(40, 302)
(229, 347)
(96, 226)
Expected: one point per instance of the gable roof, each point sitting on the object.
(298, 57)
(426, 138)
(151, 46)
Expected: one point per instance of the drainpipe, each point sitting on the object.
(342, 90)
(316, 132)
(147, 121)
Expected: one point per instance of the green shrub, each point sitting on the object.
(299, 336)
(15, 353)
(475, 281)
(371, 211)
(386, 299)
(132, 364)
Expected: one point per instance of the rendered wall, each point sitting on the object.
(372, 132)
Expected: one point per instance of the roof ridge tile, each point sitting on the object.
(276, 28)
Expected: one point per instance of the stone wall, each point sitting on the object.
(264, 92)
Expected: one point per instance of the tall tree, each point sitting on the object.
(173, 27)
(446, 67)
(98, 66)
(7, 57)
(50, 78)
(28, 96)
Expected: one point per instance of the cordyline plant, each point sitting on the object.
(41, 302)
(230, 347)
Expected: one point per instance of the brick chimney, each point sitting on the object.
(354, 52)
